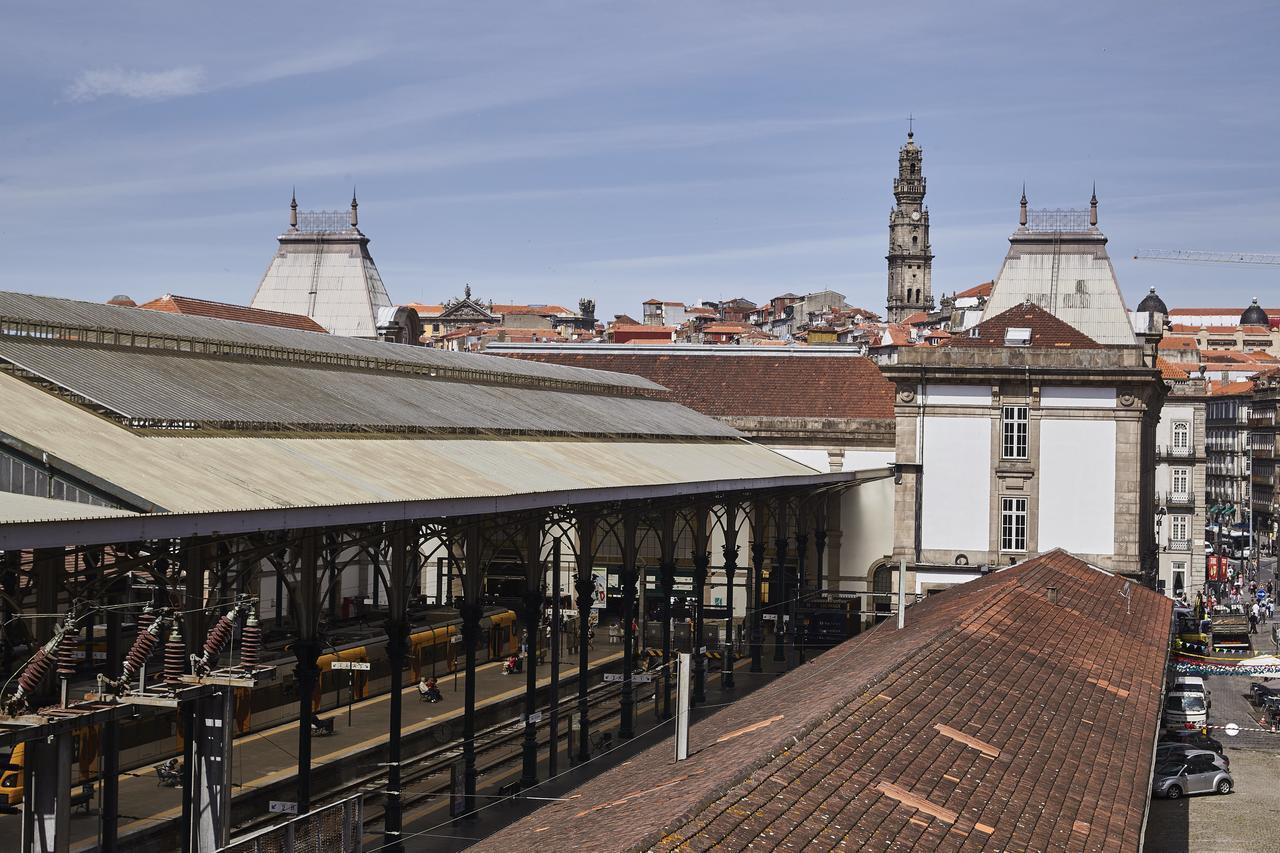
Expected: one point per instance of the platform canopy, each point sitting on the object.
(204, 426)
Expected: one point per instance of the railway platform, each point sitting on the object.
(264, 763)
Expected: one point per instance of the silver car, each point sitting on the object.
(1169, 753)
(1195, 775)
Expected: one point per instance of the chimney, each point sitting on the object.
(1051, 593)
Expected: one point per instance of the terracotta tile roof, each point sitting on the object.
(895, 335)
(1172, 372)
(983, 289)
(641, 327)
(728, 328)
(1210, 312)
(917, 317)
(1236, 388)
(764, 385)
(1176, 342)
(225, 311)
(996, 720)
(1235, 356)
(533, 310)
(1046, 330)
(426, 312)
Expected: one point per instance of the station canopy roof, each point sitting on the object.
(170, 414)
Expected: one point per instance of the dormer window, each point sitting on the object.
(1017, 337)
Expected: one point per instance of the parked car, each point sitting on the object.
(1197, 775)
(1258, 692)
(1170, 752)
(1191, 737)
(1185, 711)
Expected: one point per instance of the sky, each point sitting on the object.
(547, 151)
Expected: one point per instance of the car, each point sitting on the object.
(1193, 738)
(1196, 775)
(1169, 752)
(1259, 692)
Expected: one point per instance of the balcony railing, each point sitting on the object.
(1179, 499)
(1168, 451)
(1179, 544)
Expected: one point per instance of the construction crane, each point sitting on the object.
(1199, 257)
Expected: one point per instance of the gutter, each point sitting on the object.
(1151, 769)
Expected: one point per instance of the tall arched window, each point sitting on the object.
(1181, 436)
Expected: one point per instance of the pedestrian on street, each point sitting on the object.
(1253, 619)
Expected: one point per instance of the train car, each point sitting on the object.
(84, 757)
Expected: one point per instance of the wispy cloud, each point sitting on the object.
(140, 85)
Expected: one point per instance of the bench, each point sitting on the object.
(168, 777)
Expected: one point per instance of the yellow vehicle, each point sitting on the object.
(84, 752)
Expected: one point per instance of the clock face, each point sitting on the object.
(915, 216)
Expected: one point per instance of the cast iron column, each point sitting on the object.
(532, 614)
(307, 651)
(802, 583)
(397, 628)
(553, 724)
(757, 601)
(109, 802)
(470, 609)
(730, 551)
(586, 590)
(701, 559)
(626, 727)
(667, 580)
(778, 579)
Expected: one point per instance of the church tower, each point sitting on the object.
(910, 259)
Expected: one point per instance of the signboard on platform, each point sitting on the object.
(282, 807)
(360, 665)
(535, 717)
(456, 638)
(613, 676)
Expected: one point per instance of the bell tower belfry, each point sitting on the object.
(910, 256)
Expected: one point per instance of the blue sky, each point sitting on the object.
(546, 151)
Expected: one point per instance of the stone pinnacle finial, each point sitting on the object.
(1093, 205)
(293, 209)
(1022, 210)
(355, 218)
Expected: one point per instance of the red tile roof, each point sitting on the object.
(1046, 330)
(226, 311)
(995, 720)
(1177, 342)
(1237, 388)
(983, 289)
(764, 385)
(1172, 372)
(917, 317)
(1211, 312)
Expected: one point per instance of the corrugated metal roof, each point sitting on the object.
(162, 385)
(48, 310)
(16, 508)
(186, 473)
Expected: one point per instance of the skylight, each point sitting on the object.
(1017, 337)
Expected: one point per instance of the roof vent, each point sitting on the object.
(1017, 337)
(1051, 593)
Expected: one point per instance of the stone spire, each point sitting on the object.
(1093, 207)
(355, 218)
(293, 211)
(1022, 209)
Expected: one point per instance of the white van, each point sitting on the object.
(1192, 684)
(1185, 711)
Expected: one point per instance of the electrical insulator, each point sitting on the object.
(175, 656)
(216, 641)
(67, 654)
(143, 646)
(250, 641)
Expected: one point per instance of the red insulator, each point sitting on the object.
(143, 646)
(34, 672)
(67, 654)
(175, 656)
(214, 643)
(250, 641)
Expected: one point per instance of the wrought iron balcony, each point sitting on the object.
(1175, 499)
(1179, 544)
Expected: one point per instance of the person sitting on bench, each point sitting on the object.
(428, 691)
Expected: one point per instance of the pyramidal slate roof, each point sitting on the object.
(1064, 245)
(323, 270)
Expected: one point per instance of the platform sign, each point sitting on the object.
(535, 717)
(456, 638)
(613, 676)
(359, 665)
(642, 678)
(282, 807)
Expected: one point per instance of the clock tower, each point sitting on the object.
(910, 258)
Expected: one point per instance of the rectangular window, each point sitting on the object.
(1181, 482)
(1013, 524)
(1015, 432)
(1178, 528)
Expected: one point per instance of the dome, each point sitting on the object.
(1152, 304)
(122, 300)
(1254, 315)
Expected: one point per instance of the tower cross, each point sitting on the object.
(911, 124)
